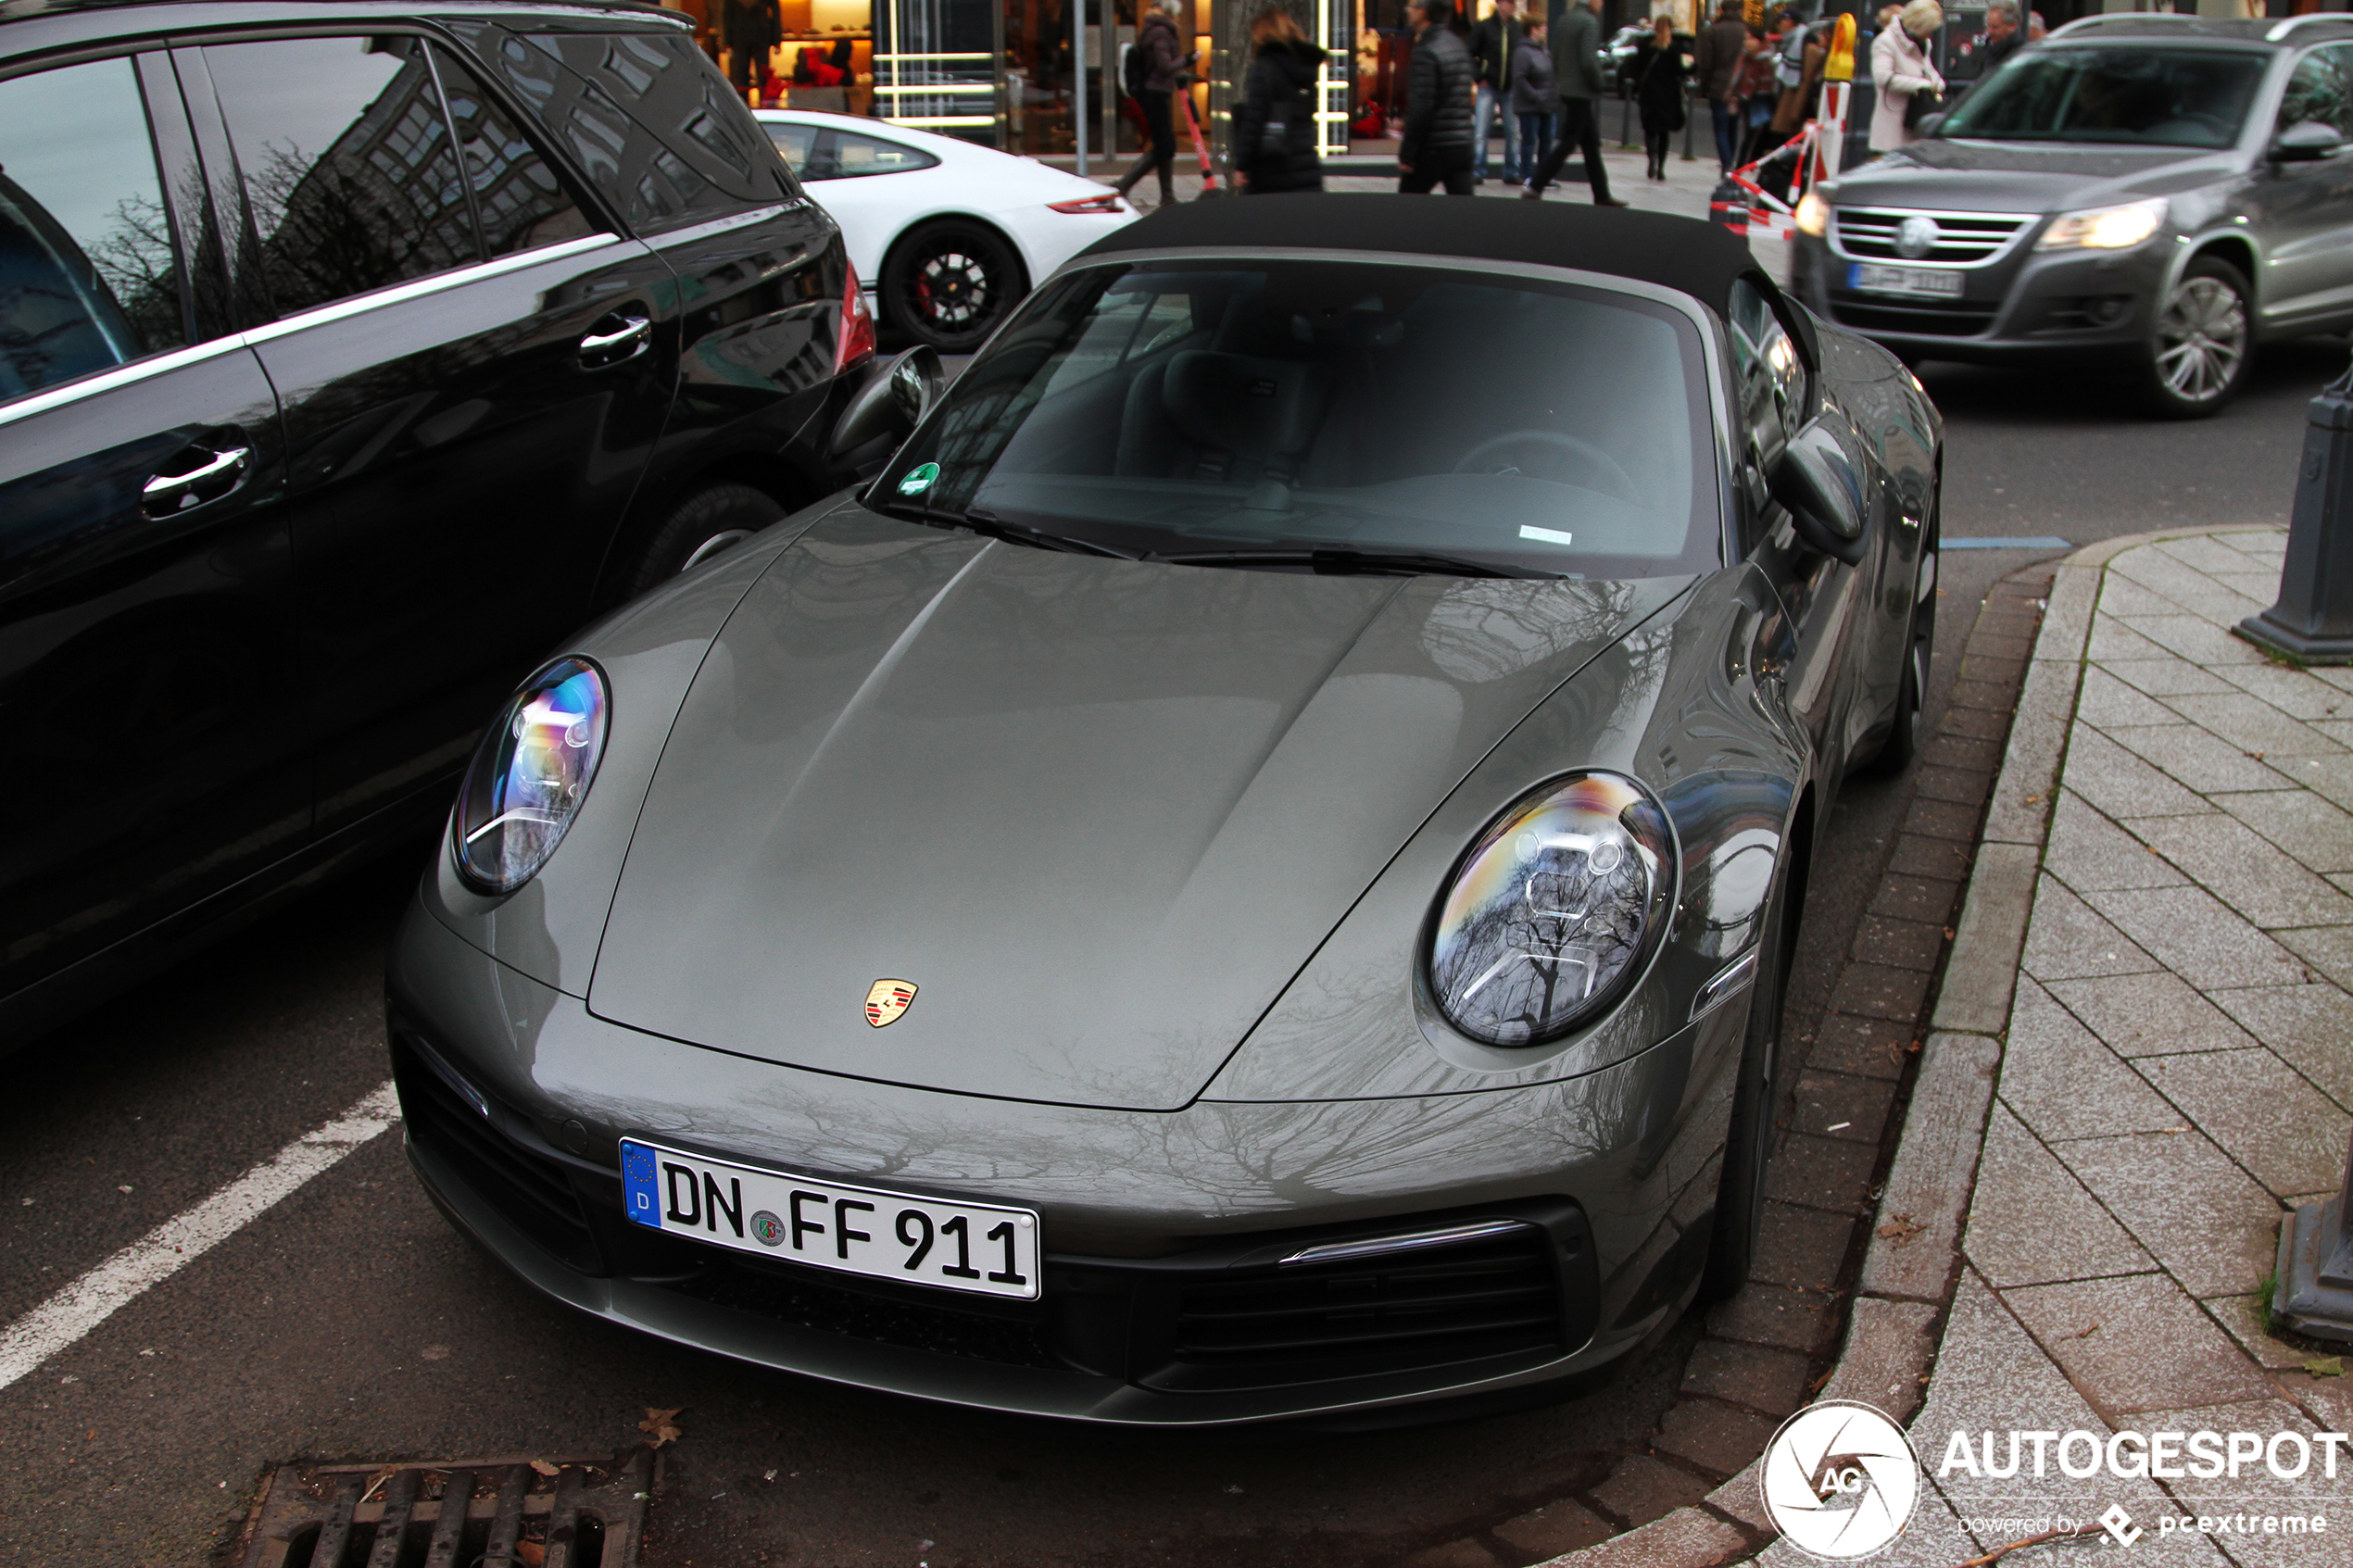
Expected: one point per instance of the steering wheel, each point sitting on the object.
(1481, 458)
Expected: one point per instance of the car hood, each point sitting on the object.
(1096, 813)
(2023, 176)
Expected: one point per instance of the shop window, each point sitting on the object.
(517, 195)
(351, 181)
(88, 274)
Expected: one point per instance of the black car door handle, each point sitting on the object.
(220, 472)
(620, 336)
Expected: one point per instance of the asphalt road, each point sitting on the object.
(349, 1322)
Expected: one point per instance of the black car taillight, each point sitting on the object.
(854, 344)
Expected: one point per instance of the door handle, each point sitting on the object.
(168, 493)
(630, 335)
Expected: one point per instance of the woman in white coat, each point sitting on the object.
(1900, 68)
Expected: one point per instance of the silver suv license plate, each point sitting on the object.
(852, 1230)
(1871, 276)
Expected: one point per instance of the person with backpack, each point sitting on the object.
(1535, 102)
(1274, 123)
(1153, 64)
(1436, 148)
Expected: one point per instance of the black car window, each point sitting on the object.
(648, 183)
(2316, 90)
(1225, 410)
(519, 197)
(88, 274)
(1769, 372)
(351, 179)
(2114, 93)
(669, 87)
(855, 154)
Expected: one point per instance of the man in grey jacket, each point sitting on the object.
(1436, 148)
(1577, 64)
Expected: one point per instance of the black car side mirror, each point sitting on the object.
(2307, 142)
(1928, 123)
(891, 404)
(1823, 490)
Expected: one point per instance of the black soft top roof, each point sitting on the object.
(1692, 258)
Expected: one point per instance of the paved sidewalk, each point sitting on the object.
(2176, 1070)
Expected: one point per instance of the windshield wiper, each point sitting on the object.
(979, 520)
(1349, 563)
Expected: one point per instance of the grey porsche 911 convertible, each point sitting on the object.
(1248, 875)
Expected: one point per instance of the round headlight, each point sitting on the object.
(1553, 911)
(529, 776)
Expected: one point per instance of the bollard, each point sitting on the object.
(2313, 620)
(2314, 1294)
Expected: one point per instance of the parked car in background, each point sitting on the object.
(2162, 192)
(350, 355)
(946, 235)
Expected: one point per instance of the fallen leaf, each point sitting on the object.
(660, 1426)
(544, 1468)
(2325, 1366)
(530, 1555)
(1900, 1229)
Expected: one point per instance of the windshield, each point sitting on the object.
(2154, 97)
(1178, 410)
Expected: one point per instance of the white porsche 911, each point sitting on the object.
(946, 235)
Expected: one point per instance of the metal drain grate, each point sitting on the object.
(468, 1514)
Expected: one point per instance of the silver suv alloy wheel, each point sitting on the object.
(2201, 339)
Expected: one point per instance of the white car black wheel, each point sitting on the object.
(948, 284)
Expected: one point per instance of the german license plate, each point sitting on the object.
(1935, 282)
(851, 1230)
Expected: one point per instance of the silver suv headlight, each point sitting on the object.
(2105, 227)
(1554, 911)
(529, 776)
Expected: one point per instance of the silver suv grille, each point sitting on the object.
(1959, 238)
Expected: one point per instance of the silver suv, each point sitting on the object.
(2157, 191)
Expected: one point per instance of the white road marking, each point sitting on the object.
(55, 1325)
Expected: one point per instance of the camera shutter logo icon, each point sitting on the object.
(1839, 1480)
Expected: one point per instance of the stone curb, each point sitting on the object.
(1912, 1262)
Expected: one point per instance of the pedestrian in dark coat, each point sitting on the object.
(1166, 58)
(1274, 123)
(1577, 67)
(1660, 67)
(1536, 103)
(1436, 148)
(749, 28)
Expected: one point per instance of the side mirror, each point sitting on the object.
(1823, 490)
(2307, 142)
(891, 404)
(1928, 122)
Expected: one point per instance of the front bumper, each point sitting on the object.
(2064, 306)
(1164, 1301)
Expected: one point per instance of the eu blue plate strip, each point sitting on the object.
(638, 1180)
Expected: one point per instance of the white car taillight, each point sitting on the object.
(1108, 202)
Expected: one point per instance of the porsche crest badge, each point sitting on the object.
(887, 999)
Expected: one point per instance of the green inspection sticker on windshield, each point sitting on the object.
(919, 480)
